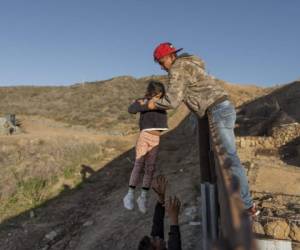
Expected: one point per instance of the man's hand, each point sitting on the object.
(173, 207)
(151, 104)
(159, 186)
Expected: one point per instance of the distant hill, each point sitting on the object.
(98, 105)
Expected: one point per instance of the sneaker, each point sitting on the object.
(253, 211)
(142, 204)
(128, 201)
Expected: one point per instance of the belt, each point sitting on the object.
(218, 101)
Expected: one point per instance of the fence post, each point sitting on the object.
(209, 206)
(204, 149)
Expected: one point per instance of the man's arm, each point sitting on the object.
(173, 208)
(138, 106)
(175, 92)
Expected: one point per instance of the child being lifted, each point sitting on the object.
(151, 123)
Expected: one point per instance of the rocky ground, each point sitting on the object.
(269, 132)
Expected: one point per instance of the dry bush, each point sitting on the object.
(31, 170)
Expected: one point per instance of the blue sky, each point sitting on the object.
(60, 42)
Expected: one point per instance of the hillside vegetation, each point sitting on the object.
(98, 105)
(63, 179)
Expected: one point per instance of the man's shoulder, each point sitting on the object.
(187, 60)
(190, 65)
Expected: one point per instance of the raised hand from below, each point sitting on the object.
(173, 205)
(159, 186)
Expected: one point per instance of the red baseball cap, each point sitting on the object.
(164, 49)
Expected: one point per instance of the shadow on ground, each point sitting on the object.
(258, 117)
(290, 153)
(91, 216)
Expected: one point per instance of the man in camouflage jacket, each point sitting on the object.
(189, 83)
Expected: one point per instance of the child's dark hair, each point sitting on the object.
(155, 88)
(145, 243)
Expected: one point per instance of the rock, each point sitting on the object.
(31, 214)
(277, 229)
(295, 207)
(243, 143)
(51, 236)
(248, 164)
(295, 232)
(195, 223)
(88, 223)
(190, 211)
(268, 144)
(279, 199)
(280, 213)
(267, 212)
(286, 139)
(273, 205)
(257, 228)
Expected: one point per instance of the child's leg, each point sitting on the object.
(150, 161)
(141, 150)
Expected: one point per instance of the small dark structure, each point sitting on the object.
(9, 125)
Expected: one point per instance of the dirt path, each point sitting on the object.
(38, 127)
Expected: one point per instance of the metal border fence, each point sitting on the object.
(225, 223)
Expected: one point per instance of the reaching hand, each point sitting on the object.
(159, 186)
(173, 207)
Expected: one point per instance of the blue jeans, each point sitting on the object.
(223, 117)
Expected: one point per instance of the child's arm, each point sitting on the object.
(138, 106)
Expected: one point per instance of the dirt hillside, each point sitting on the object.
(64, 177)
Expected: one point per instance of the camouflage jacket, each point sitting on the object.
(189, 83)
